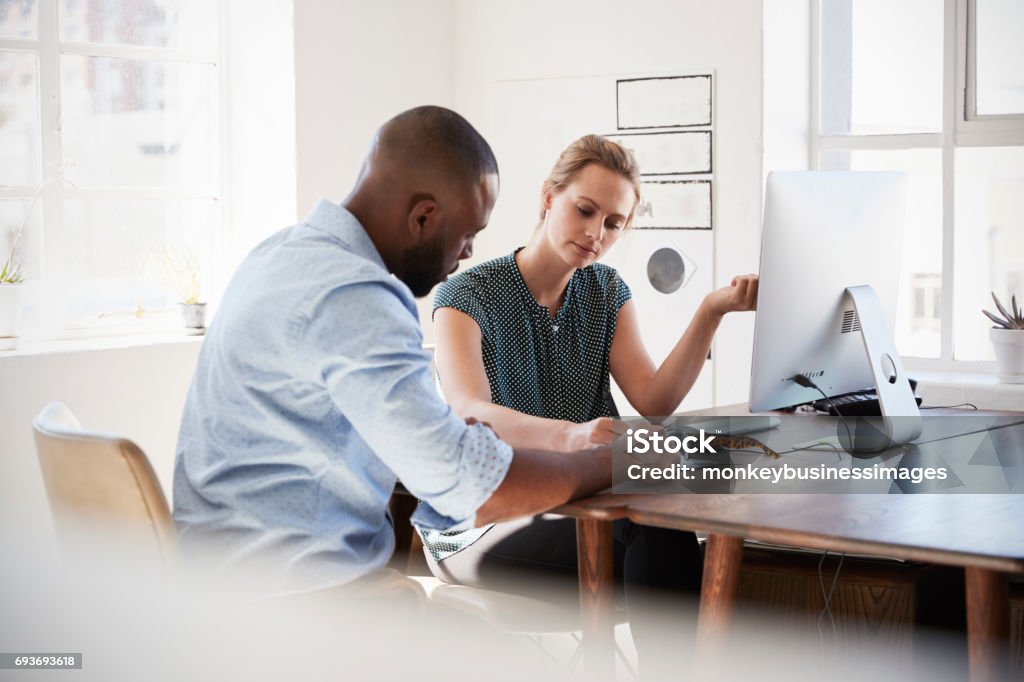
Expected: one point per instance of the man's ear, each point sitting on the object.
(423, 215)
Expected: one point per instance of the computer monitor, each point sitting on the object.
(830, 259)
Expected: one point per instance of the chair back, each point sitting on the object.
(102, 486)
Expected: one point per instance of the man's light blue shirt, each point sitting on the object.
(311, 396)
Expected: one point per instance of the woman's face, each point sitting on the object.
(587, 216)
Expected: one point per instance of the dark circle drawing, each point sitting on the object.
(666, 270)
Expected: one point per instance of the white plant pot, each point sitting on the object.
(1009, 347)
(194, 315)
(10, 312)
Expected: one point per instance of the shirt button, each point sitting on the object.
(554, 327)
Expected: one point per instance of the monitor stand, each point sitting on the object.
(901, 420)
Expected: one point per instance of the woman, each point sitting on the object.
(526, 343)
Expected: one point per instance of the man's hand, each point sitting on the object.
(740, 295)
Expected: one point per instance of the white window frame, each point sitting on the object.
(968, 122)
(48, 48)
(961, 127)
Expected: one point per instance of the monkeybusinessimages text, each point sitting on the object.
(645, 441)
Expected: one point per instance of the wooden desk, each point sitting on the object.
(984, 534)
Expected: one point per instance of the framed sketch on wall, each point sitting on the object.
(674, 205)
(669, 153)
(663, 102)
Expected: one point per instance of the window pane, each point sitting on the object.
(129, 122)
(18, 18)
(881, 66)
(918, 308)
(989, 242)
(20, 146)
(186, 24)
(110, 241)
(999, 49)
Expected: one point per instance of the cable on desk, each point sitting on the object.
(827, 598)
(807, 382)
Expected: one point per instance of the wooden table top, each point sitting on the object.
(985, 531)
(979, 530)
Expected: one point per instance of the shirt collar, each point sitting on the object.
(339, 222)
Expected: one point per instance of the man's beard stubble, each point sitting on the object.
(422, 266)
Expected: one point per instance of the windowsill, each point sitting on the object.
(983, 390)
(29, 347)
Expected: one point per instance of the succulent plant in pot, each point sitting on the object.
(1008, 340)
(178, 269)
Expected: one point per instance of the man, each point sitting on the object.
(313, 393)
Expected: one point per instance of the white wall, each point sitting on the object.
(356, 65)
(531, 39)
(136, 392)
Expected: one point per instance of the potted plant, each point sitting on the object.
(11, 286)
(178, 269)
(1008, 340)
(12, 275)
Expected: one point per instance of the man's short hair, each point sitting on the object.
(438, 140)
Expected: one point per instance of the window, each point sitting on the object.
(934, 89)
(996, 51)
(110, 112)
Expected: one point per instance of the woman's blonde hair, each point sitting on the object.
(585, 151)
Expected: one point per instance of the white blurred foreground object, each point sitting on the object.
(130, 625)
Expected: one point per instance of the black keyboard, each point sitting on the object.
(857, 404)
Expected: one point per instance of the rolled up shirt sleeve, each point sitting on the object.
(483, 463)
(379, 378)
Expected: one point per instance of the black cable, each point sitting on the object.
(944, 407)
(807, 382)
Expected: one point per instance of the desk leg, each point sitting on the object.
(988, 624)
(722, 557)
(597, 575)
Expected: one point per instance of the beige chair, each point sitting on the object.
(103, 492)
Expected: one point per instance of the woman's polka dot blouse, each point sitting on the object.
(554, 367)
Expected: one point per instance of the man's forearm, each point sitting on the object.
(538, 481)
(518, 429)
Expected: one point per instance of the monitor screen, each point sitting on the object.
(822, 232)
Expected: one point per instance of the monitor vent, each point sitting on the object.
(851, 323)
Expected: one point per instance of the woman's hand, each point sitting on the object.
(740, 295)
(591, 434)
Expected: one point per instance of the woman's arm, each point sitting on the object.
(460, 365)
(658, 391)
